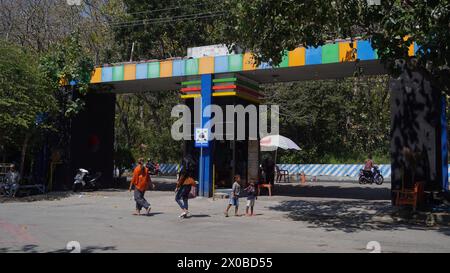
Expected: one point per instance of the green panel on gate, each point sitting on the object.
(117, 73)
(285, 59)
(153, 70)
(330, 53)
(235, 62)
(191, 67)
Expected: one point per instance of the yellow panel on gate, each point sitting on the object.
(129, 72)
(248, 62)
(165, 69)
(297, 56)
(206, 65)
(96, 76)
(346, 52)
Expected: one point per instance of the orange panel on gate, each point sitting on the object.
(165, 69)
(410, 48)
(96, 76)
(297, 56)
(248, 62)
(129, 72)
(347, 53)
(206, 65)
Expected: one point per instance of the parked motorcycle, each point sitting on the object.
(369, 177)
(153, 168)
(84, 181)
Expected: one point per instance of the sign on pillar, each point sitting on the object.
(201, 137)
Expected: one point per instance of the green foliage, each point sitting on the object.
(68, 62)
(24, 94)
(269, 27)
(334, 121)
(143, 125)
(163, 29)
(123, 158)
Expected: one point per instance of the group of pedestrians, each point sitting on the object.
(185, 189)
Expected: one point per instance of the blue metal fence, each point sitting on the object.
(351, 170)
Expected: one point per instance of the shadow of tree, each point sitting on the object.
(331, 191)
(165, 186)
(348, 216)
(51, 196)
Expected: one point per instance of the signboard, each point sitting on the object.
(201, 137)
(207, 51)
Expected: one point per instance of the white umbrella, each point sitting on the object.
(273, 142)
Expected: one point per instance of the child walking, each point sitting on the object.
(234, 198)
(251, 196)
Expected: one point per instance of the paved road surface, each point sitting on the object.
(323, 217)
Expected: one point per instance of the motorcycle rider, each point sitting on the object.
(368, 165)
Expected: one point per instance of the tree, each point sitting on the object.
(25, 98)
(334, 121)
(269, 27)
(164, 29)
(144, 119)
(68, 69)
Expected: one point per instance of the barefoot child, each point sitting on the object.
(234, 197)
(251, 196)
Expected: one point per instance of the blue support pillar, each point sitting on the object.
(444, 146)
(205, 170)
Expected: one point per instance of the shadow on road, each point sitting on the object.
(51, 196)
(165, 186)
(198, 216)
(332, 191)
(35, 249)
(348, 216)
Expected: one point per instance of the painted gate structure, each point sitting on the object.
(237, 76)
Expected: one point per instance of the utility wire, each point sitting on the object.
(165, 9)
(169, 19)
(172, 17)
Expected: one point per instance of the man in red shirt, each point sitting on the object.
(141, 181)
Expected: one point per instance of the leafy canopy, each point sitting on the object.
(269, 27)
(24, 93)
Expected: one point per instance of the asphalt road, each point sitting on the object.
(321, 217)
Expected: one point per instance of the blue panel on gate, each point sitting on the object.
(365, 50)
(221, 64)
(444, 144)
(107, 73)
(178, 68)
(141, 71)
(205, 158)
(313, 55)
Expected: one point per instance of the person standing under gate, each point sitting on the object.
(141, 181)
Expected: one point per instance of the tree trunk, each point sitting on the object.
(24, 152)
